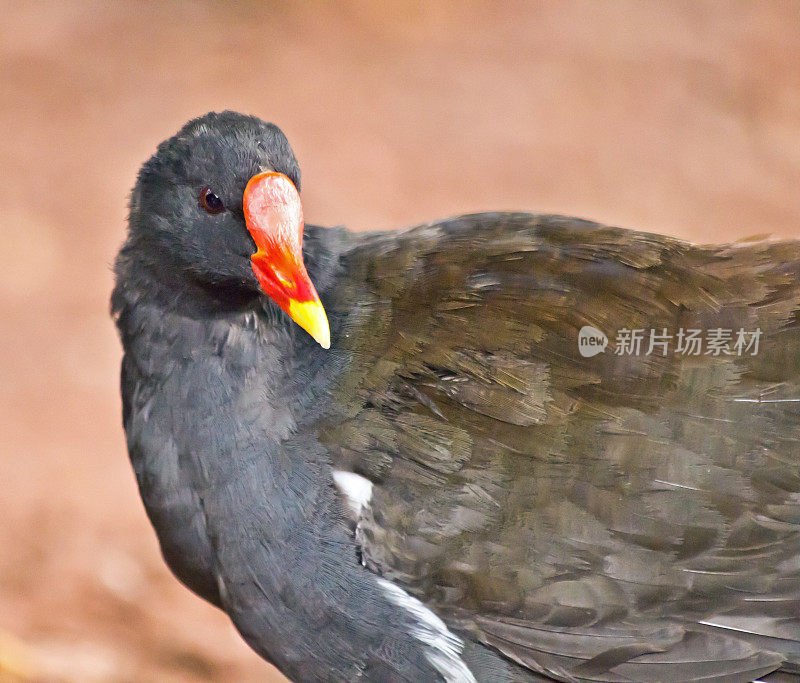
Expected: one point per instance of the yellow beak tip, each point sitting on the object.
(310, 315)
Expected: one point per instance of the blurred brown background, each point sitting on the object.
(680, 117)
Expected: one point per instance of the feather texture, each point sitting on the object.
(619, 517)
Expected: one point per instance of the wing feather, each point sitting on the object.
(620, 517)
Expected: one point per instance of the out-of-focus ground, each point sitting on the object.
(680, 117)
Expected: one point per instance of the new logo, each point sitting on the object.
(591, 341)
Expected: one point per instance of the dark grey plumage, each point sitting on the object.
(606, 518)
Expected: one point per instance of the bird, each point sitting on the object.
(496, 447)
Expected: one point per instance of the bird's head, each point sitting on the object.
(220, 202)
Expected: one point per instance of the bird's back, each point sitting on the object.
(625, 514)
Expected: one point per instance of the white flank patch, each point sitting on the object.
(445, 648)
(355, 488)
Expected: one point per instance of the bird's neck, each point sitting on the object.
(184, 337)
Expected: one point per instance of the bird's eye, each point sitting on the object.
(209, 202)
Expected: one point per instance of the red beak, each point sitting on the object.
(274, 216)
